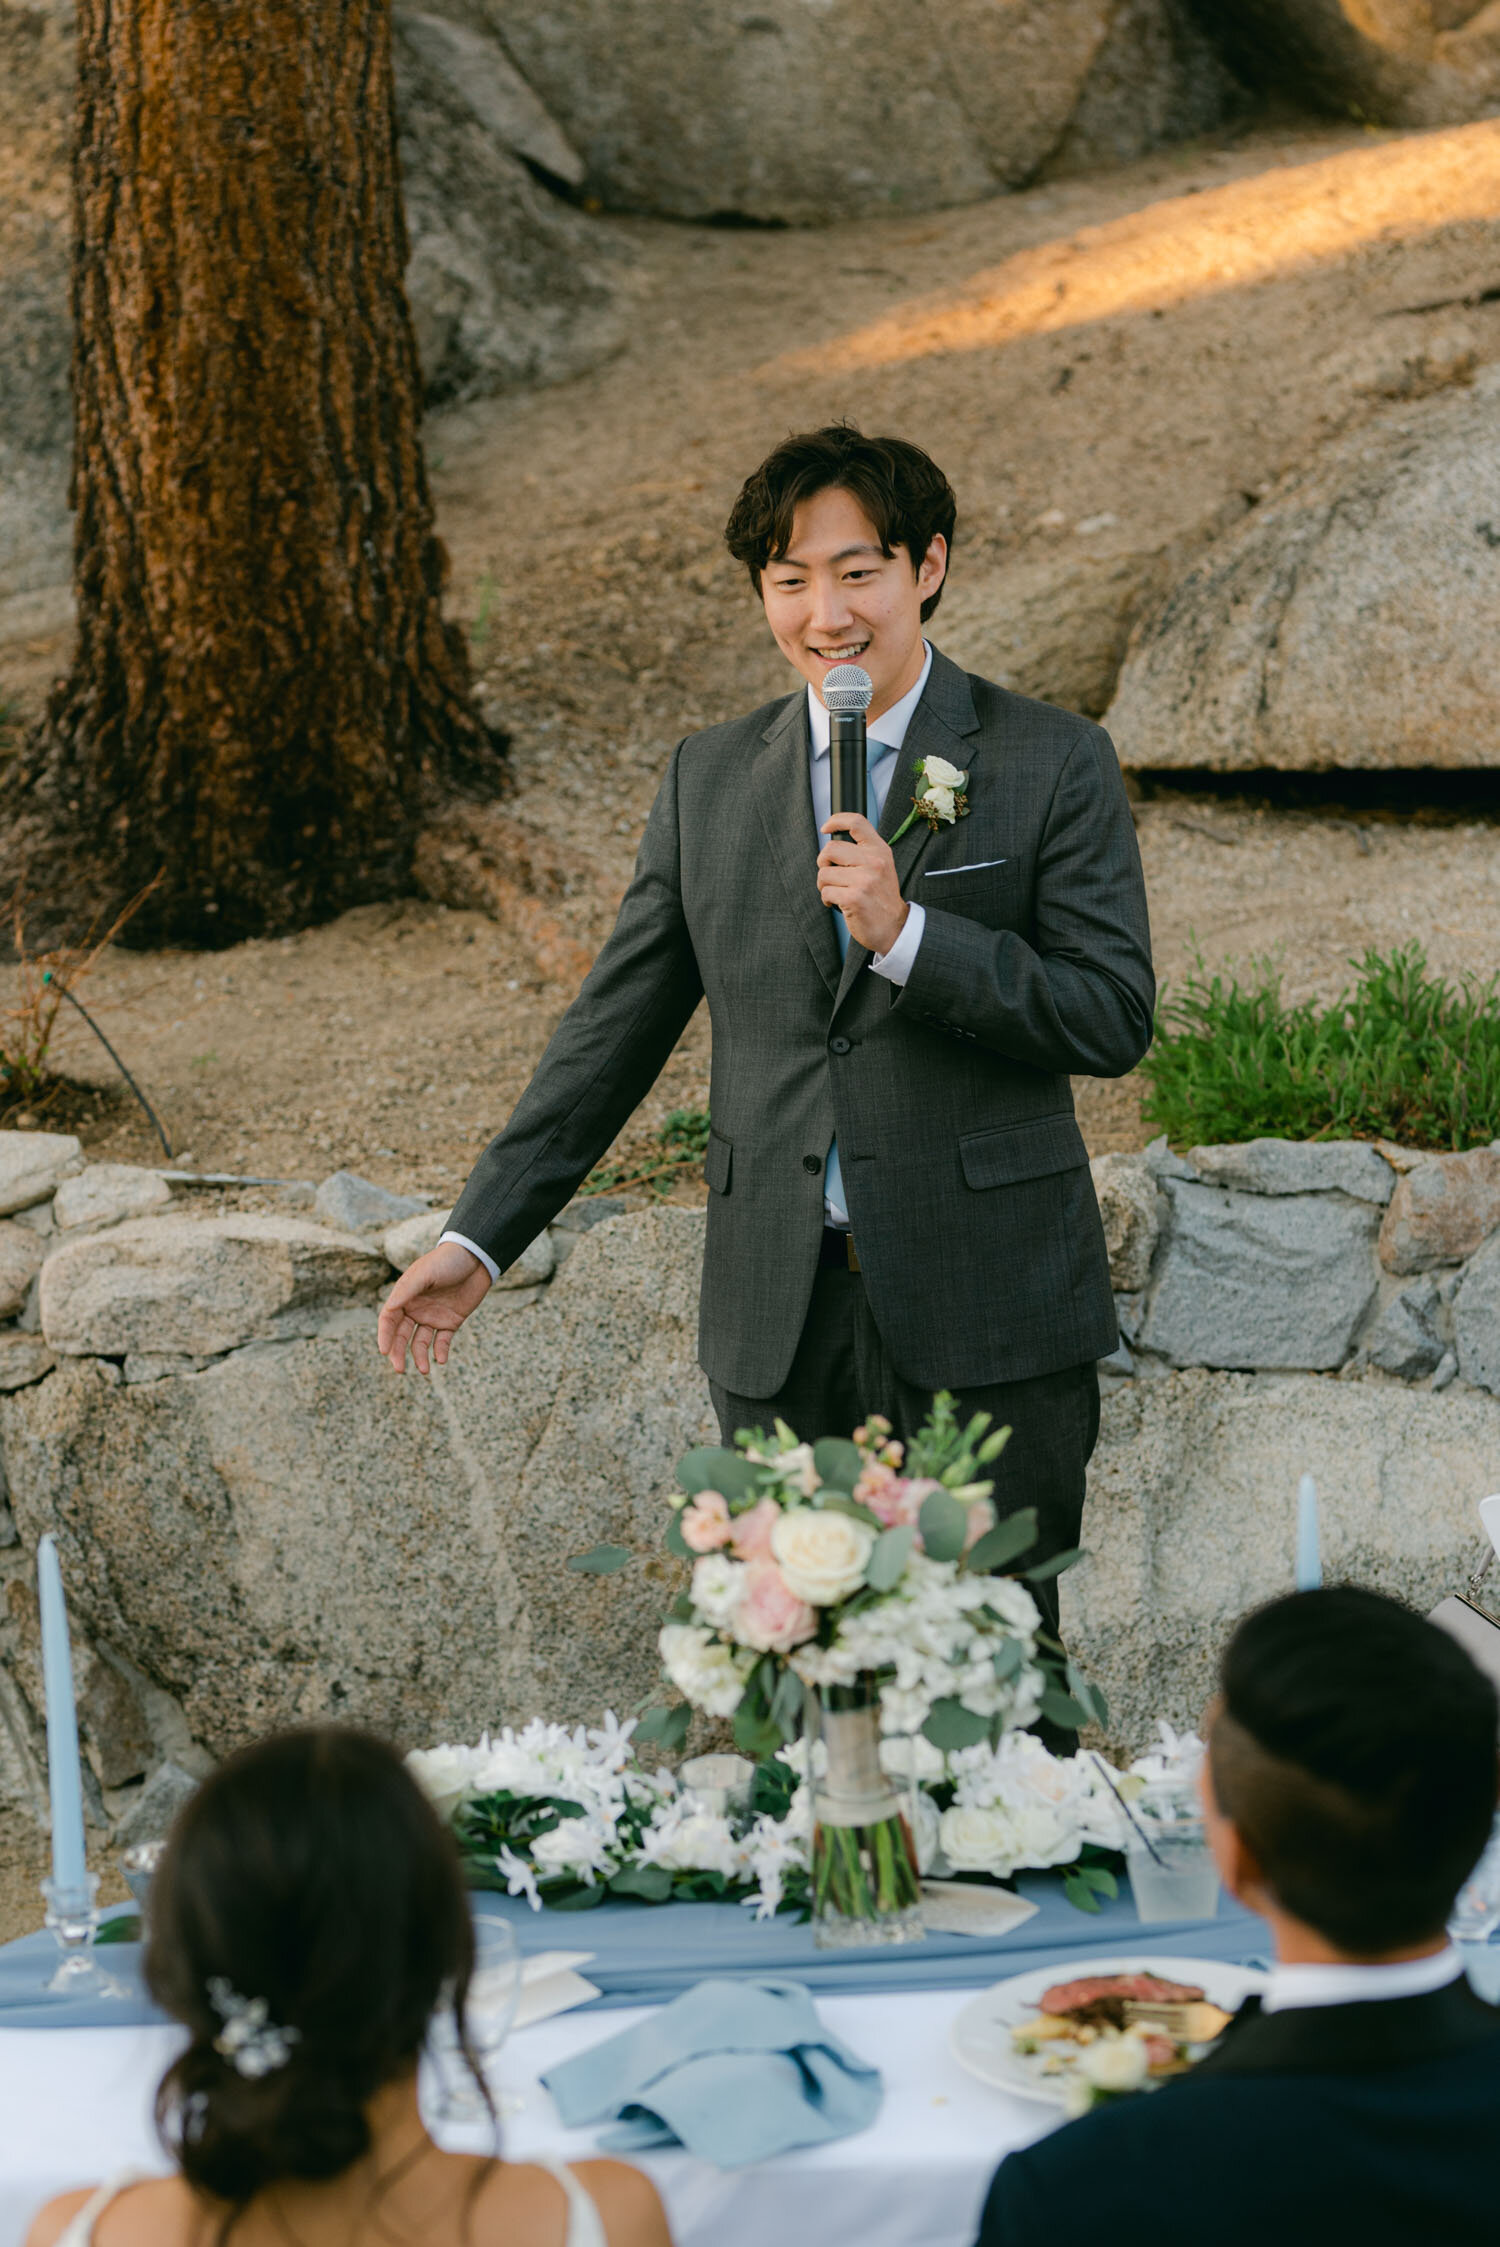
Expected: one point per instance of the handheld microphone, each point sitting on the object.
(847, 691)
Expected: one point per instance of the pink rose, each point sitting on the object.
(705, 1523)
(770, 1617)
(892, 1500)
(750, 1534)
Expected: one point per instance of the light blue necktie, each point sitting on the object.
(833, 1176)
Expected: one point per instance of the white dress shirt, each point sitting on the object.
(886, 737)
(1345, 1984)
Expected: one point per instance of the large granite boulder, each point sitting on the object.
(1398, 62)
(508, 284)
(294, 1532)
(1347, 621)
(1261, 1280)
(1476, 1323)
(806, 114)
(1191, 1516)
(198, 1287)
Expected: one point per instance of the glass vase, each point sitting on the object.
(865, 1884)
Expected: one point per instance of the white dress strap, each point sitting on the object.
(81, 2230)
(585, 2225)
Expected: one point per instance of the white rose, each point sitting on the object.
(943, 775)
(575, 1846)
(976, 1840)
(717, 1584)
(1114, 2063)
(941, 801)
(822, 1555)
(445, 1775)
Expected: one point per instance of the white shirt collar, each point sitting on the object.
(889, 728)
(1341, 1984)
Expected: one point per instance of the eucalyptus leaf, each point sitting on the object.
(838, 1462)
(668, 1727)
(714, 1468)
(754, 1733)
(1085, 1690)
(889, 1559)
(600, 1560)
(1098, 1877)
(1007, 1659)
(945, 1524)
(1006, 1541)
(950, 1726)
(1054, 1566)
(676, 1542)
(1061, 1709)
(834, 1502)
(786, 1705)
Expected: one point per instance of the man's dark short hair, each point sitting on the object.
(1355, 1750)
(902, 490)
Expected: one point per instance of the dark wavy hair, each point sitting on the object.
(902, 490)
(309, 1871)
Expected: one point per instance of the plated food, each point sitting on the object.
(1128, 2024)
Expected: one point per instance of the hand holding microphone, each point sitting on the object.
(856, 871)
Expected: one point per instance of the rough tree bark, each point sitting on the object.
(264, 693)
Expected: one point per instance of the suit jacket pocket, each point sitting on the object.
(1015, 1152)
(718, 1162)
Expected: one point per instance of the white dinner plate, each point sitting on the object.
(980, 2038)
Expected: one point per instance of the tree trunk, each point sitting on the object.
(264, 692)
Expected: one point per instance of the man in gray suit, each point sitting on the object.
(899, 1195)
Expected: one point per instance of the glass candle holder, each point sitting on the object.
(73, 1922)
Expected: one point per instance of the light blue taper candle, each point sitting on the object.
(1309, 1556)
(69, 1864)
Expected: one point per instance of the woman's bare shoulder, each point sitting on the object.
(628, 2202)
(147, 2212)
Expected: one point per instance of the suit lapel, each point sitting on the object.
(783, 797)
(944, 724)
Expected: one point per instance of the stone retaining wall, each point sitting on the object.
(260, 1524)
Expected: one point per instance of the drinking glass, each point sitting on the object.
(494, 1993)
(1171, 1867)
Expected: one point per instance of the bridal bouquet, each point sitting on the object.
(816, 1566)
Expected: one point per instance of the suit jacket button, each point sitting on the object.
(838, 1045)
(812, 1162)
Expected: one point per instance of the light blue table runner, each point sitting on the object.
(647, 1954)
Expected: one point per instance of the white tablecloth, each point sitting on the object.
(76, 2106)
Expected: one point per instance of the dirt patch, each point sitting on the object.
(1101, 447)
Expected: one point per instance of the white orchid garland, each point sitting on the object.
(568, 1818)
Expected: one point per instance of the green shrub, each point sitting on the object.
(1401, 1055)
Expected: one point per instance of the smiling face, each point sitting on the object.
(833, 597)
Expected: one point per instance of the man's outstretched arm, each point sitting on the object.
(602, 1060)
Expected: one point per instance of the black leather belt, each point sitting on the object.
(838, 1250)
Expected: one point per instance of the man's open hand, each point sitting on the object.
(428, 1305)
(857, 873)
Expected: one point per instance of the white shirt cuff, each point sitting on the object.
(896, 964)
(474, 1249)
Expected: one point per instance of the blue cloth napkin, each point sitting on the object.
(735, 2071)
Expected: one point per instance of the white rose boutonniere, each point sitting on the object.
(939, 799)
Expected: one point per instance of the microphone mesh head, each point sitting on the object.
(846, 689)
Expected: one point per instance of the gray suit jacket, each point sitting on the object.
(966, 1177)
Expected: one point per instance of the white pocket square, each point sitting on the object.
(935, 873)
